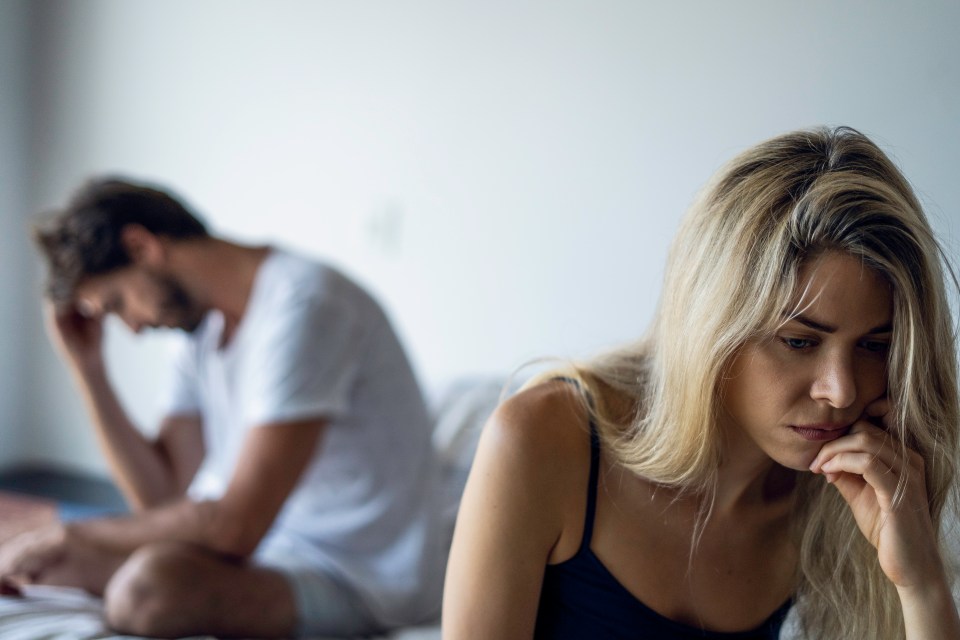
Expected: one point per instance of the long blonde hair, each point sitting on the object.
(731, 274)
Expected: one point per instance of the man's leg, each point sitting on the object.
(176, 590)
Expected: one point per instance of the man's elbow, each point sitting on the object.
(226, 532)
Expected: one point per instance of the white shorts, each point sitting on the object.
(325, 605)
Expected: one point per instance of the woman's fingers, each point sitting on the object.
(863, 437)
(870, 455)
(883, 484)
(874, 471)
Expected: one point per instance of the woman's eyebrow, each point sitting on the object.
(828, 328)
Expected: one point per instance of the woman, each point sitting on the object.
(785, 435)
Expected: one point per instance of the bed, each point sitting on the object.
(49, 613)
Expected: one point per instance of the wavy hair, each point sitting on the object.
(85, 238)
(731, 275)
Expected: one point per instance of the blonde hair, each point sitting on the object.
(731, 276)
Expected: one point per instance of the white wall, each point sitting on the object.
(506, 176)
(14, 289)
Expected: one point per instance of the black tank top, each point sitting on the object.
(581, 600)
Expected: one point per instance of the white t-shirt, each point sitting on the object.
(312, 343)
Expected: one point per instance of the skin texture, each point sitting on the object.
(154, 565)
(525, 500)
(142, 298)
(820, 369)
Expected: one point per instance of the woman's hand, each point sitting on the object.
(868, 466)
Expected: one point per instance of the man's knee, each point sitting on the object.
(146, 594)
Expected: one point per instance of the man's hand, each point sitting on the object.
(54, 555)
(77, 335)
(28, 556)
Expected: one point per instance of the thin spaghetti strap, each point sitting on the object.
(593, 484)
(591, 488)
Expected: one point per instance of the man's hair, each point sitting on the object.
(85, 238)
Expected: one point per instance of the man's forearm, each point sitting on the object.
(87, 553)
(199, 523)
(138, 465)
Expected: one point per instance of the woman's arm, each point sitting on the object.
(866, 468)
(516, 510)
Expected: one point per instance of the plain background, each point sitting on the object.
(504, 176)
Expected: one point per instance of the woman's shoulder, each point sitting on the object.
(520, 509)
(543, 420)
(539, 439)
(533, 464)
(556, 416)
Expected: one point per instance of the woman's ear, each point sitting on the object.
(143, 247)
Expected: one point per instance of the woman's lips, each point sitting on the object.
(819, 433)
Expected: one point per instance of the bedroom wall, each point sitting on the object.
(14, 163)
(505, 176)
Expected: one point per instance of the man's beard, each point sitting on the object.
(177, 309)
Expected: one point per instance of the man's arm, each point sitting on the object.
(272, 460)
(180, 442)
(85, 553)
(149, 472)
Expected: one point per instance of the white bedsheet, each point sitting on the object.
(57, 613)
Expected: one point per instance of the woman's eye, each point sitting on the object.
(797, 343)
(876, 346)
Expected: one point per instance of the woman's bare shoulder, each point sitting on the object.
(516, 511)
(545, 421)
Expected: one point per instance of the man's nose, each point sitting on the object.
(836, 381)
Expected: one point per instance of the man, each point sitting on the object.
(289, 488)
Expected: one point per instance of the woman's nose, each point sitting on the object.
(836, 381)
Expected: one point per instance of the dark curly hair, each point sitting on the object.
(85, 238)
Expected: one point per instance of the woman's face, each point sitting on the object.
(806, 384)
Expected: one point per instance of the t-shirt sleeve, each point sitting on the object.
(182, 397)
(304, 362)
